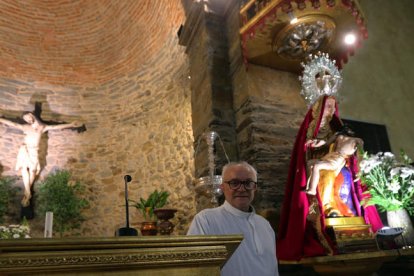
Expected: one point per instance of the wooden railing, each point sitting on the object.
(253, 10)
(158, 255)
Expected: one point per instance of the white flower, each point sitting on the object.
(14, 231)
(367, 165)
(395, 171)
(394, 186)
(406, 172)
(390, 182)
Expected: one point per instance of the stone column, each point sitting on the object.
(205, 38)
(268, 112)
(255, 109)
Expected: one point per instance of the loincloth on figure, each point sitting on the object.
(336, 159)
(28, 157)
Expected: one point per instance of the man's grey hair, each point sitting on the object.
(242, 164)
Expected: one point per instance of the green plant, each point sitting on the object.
(390, 183)
(7, 191)
(57, 195)
(146, 206)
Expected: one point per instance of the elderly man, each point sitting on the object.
(256, 254)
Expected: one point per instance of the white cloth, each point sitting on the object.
(256, 255)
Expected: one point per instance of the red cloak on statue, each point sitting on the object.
(297, 238)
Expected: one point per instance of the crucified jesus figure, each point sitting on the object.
(28, 156)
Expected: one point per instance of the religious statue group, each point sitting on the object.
(322, 180)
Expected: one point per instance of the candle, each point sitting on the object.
(48, 225)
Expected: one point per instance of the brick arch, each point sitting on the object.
(83, 42)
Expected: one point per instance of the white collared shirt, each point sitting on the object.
(256, 255)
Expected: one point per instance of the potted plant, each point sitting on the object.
(390, 185)
(165, 226)
(56, 194)
(146, 207)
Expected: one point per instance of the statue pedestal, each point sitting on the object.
(351, 234)
(159, 255)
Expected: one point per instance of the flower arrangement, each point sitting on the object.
(390, 182)
(15, 231)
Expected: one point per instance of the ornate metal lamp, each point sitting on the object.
(210, 184)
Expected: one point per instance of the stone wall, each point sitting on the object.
(264, 103)
(139, 124)
(268, 121)
(268, 110)
(204, 35)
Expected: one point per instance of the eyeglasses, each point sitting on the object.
(235, 184)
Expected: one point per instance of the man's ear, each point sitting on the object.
(222, 186)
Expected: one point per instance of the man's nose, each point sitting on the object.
(242, 187)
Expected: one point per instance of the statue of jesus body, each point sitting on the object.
(28, 156)
(345, 146)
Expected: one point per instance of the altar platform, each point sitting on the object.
(158, 255)
(380, 263)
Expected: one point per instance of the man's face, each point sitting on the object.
(239, 198)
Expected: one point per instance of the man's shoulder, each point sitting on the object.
(209, 211)
(207, 222)
(262, 221)
(259, 218)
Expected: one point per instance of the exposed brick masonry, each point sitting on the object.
(108, 65)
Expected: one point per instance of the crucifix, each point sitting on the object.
(28, 157)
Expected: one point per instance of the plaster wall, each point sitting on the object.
(379, 78)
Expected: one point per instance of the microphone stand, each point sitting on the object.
(126, 231)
